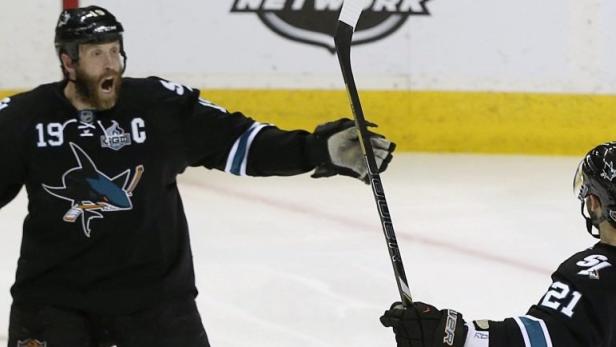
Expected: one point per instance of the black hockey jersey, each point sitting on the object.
(578, 309)
(105, 230)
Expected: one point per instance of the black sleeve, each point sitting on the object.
(537, 331)
(231, 142)
(206, 132)
(506, 333)
(283, 153)
(213, 137)
(12, 174)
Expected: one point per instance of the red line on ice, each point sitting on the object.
(348, 222)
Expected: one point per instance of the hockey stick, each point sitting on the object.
(351, 11)
(135, 181)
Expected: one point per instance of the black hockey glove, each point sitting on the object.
(343, 156)
(423, 325)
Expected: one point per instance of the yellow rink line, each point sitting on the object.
(524, 123)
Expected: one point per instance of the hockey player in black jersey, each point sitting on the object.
(105, 256)
(577, 310)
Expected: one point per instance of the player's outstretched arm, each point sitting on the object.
(332, 149)
(234, 143)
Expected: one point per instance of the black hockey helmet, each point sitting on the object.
(90, 24)
(596, 175)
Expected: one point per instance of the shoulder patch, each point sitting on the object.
(175, 87)
(154, 89)
(592, 265)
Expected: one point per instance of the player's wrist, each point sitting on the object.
(316, 150)
(477, 334)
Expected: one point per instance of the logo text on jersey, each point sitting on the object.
(314, 21)
(450, 327)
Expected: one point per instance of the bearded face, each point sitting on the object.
(100, 90)
(96, 76)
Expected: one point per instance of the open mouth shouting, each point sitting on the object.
(98, 92)
(108, 89)
(107, 84)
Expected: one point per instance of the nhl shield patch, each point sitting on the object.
(31, 343)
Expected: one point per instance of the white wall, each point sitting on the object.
(551, 45)
(27, 55)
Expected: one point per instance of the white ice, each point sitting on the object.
(303, 262)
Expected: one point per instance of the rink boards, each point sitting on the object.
(430, 121)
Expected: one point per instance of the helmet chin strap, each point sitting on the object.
(592, 221)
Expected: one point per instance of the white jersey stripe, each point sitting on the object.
(238, 155)
(251, 138)
(534, 331)
(523, 331)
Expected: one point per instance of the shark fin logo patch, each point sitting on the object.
(92, 193)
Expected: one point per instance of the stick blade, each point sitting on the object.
(351, 11)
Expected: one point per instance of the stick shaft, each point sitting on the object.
(343, 38)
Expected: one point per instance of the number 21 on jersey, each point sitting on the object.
(561, 298)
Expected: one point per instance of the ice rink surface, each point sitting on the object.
(303, 262)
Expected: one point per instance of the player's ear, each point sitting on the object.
(593, 202)
(68, 64)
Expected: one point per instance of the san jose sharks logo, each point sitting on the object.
(92, 193)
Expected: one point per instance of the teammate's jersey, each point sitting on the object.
(578, 309)
(105, 230)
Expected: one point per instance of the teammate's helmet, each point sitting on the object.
(596, 175)
(90, 24)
